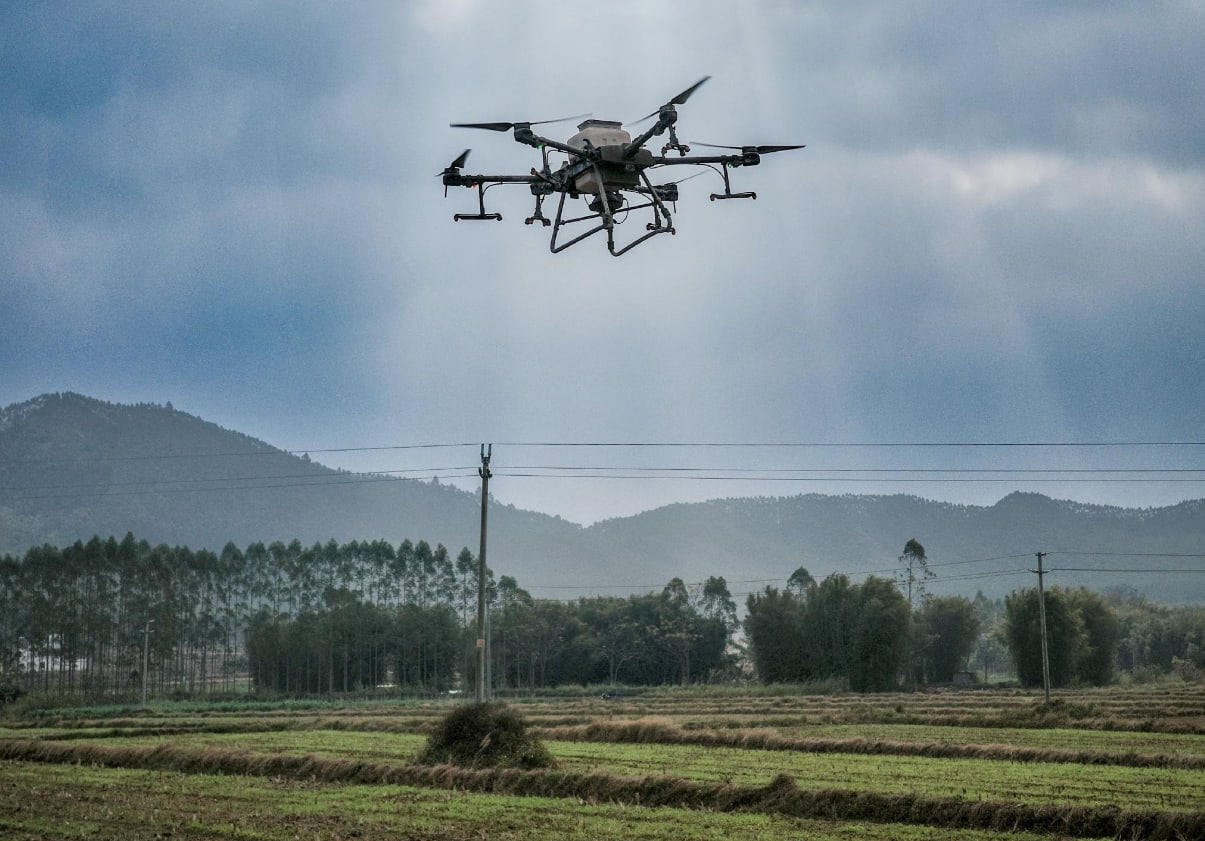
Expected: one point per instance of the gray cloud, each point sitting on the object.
(994, 233)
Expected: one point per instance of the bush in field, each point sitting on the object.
(1082, 630)
(484, 735)
(834, 629)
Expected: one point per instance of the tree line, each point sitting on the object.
(87, 619)
(869, 636)
(99, 619)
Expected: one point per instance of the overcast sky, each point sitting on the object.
(996, 235)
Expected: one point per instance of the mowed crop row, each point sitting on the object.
(1170, 709)
(1049, 746)
(780, 796)
(40, 801)
(1065, 783)
(861, 760)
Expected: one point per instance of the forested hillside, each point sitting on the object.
(74, 467)
(972, 548)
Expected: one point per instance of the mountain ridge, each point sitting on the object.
(75, 466)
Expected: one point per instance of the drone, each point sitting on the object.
(609, 170)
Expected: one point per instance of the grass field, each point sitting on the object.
(1124, 763)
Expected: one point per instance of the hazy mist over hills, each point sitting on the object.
(74, 467)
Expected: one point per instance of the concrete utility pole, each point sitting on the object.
(1042, 618)
(483, 690)
(146, 655)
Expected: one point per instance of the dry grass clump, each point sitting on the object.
(485, 735)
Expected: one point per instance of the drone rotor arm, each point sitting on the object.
(756, 150)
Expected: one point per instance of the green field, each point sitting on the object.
(667, 765)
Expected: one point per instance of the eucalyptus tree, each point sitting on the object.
(443, 577)
(676, 631)
(12, 615)
(380, 556)
(716, 603)
(466, 583)
(914, 572)
(801, 582)
(257, 576)
(422, 573)
(232, 596)
(911, 576)
(401, 568)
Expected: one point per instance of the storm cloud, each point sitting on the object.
(994, 235)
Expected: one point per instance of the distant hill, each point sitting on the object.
(73, 467)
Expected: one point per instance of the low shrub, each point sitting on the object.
(484, 735)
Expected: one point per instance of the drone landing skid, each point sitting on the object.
(497, 217)
(480, 214)
(719, 196)
(606, 215)
(728, 194)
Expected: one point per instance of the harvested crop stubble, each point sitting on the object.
(780, 796)
(137, 804)
(662, 732)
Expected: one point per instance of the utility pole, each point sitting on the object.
(910, 676)
(1042, 618)
(146, 655)
(483, 691)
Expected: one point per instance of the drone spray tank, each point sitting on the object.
(596, 134)
(617, 166)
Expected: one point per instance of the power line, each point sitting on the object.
(1141, 570)
(641, 473)
(850, 444)
(855, 573)
(638, 474)
(421, 471)
(319, 482)
(1133, 554)
(269, 450)
(876, 470)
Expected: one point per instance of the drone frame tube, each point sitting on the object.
(607, 215)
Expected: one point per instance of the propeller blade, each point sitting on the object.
(509, 126)
(560, 120)
(486, 126)
(765, 150)
(760, 150)
(456, 164)
(680, 99)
